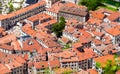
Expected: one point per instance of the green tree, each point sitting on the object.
(47, 71)
(11, 7)
(59, 27)
(67, 71)
(62, 19)
(98, 65)
(117, 5)
(111, 67)
(91, 4)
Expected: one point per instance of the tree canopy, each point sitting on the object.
(111, 66)
(11, 7)
(91, 4)
(59, 27)
(47, 71)
(95, 4)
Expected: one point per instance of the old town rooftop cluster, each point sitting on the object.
(28, 45)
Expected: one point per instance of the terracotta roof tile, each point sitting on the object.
(94, 21)
(87, 54)
(1, 30)
(78, 44)
(96, 33)
(8, 38)
(39, 65)
(114, 16)
(54, 63)
(98, 15)
(83, 72)
(16, 45)
(65, 40)
(31, 45)
(14, 64)
(39, 17)
(55, 7)
(28, 30)
(92, 71)
(6, 47)
(113, 31)
(97, 42)
(4, 69)
(118, 72)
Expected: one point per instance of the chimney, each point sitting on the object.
(30, 42)
(6, 55)
(58, 4)
(9, 60)
(20, 42)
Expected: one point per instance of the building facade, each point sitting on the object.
(8, 21)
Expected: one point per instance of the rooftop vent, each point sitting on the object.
(30, 42)
(63, 2)
(80, 49)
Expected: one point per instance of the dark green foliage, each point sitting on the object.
(94, 4)
(112, 2)
(62, 19)
(59, 27)
(91, 4)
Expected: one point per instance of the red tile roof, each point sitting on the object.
(65, 40)
(39, 65)
(114, 31)
(8, 38)
(55, 7)
(4, 69)
(76, 45)
(31, 45)
(28, 30)
(97, 42)
(6, 47)
(92, 71)
(1, 30)
(82, 72)
(16, 45)
(87, 54)
(14, 64)
(40, 17)
(114, 16)
(96, 33)
(118, 72)
(98, 15)
(93, 21)
(54, 63)
(23, 10)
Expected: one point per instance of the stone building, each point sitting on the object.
(9, 20)
(73, 12)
